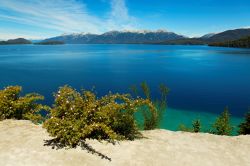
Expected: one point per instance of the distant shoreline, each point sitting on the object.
(169, 43)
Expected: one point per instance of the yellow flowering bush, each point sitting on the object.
(77, 116)
(15, 106)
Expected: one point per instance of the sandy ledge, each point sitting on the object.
(21, 143)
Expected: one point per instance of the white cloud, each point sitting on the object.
(119, 17)
(65, 16)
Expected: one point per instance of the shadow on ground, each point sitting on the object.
(54, 143)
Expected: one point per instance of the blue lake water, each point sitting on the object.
(203, 80)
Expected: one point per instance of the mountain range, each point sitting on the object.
(145, 37)
(118, 37)
(140, 37)
(230, 35)
(240, 43)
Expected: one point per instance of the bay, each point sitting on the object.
(202, 80)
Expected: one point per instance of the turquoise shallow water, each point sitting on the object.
(174, 117)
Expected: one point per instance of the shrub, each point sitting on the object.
(244, 127)
(146, 90)
(77, 116)
(134, 90)
(222, 124)
(183, 127)
(152, 120)
(15, 106)
(196, 126)
(164, 92)
(161, 104)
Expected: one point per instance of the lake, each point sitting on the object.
(202, 80)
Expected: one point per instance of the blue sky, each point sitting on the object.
(37, 19)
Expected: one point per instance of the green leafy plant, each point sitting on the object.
(146, 90)
(183, 127)
(152, 120)
(76, 116)
(161, 104)
(196, 126)
(222, 124)
(244, 127)
(15, 106)
(164, 92)
(134, 90)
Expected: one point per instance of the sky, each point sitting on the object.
(39, 19)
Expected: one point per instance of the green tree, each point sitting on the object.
(196, 126)
(244, 127)
(222, 124)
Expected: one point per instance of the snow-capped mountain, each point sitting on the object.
(207, 35)
(118, 37)
(73, 38)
